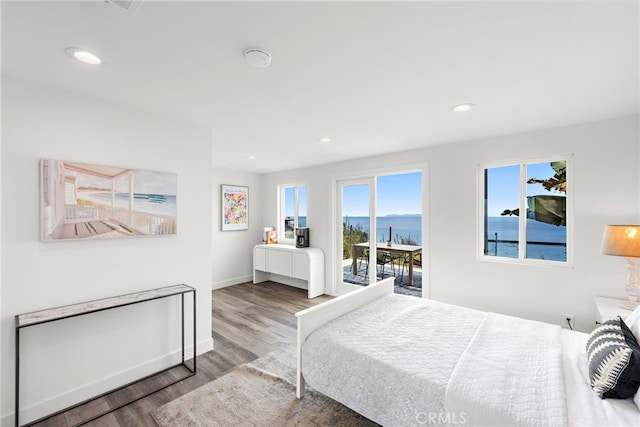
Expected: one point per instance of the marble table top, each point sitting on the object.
(48, 315)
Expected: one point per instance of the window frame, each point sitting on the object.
(280, 228)
(522, 163)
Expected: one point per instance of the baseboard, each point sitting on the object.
(79, 394)
(231, 282)
(204, 346)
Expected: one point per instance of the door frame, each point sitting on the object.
(335, 257)
(343, 287)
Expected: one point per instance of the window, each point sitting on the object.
(537, 188)
(293, 210)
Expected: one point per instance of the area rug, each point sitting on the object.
(260, 393)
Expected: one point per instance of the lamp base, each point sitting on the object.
(628, 305)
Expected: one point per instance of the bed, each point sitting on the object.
(401, 361)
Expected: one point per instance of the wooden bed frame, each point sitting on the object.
(315, 317)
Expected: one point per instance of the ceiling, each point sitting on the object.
(375, 77)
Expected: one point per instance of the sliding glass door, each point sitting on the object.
(379, 231)
(356, 220)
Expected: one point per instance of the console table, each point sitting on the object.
(51, 315)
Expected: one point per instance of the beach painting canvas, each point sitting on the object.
(235, 207)
(85, 201)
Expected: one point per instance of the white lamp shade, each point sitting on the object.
(621, 240)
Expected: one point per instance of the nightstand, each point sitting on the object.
(609, 308)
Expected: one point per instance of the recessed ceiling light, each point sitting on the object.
(83, 56)
(251, 157)
(324, 140)
(462, 108)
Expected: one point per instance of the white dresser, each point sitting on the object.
(299, 267)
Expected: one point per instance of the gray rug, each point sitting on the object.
(260, 393)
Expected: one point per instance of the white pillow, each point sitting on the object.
(636, 399)
(633, 322)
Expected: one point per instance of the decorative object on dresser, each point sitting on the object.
(265, 234)
(299, 267)
(624, 241)
(235, 207)
(272, 237)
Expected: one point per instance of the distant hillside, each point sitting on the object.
(403, 215)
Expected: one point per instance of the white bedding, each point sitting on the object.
(396, 361)
(394, 366)
(510, 375)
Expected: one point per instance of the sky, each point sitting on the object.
(503, 186)
(399, 194)
(289, 198)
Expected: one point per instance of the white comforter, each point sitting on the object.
(511, 374)
(403, 361)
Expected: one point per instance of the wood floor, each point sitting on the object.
(248, 321)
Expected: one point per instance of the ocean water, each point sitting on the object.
(405, 226)
(506, 228)
(157, 204)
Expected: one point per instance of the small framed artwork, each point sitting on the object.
(272, 237)
(235, 207)
(266, 233)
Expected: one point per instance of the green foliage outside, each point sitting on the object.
(352, 235)
(558, 182)
(403, 240)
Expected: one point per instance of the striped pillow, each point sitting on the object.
(614, 360)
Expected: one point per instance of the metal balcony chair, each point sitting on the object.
(417, 260)
(382, 259)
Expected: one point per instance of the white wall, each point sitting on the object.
(41, 122)
(606, 186)
(232, 250)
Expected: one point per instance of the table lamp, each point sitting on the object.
(624, 240)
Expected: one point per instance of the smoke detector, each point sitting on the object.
(257, 58)
(131, 6)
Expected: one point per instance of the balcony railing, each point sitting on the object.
(494, 244)
(145, 223)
